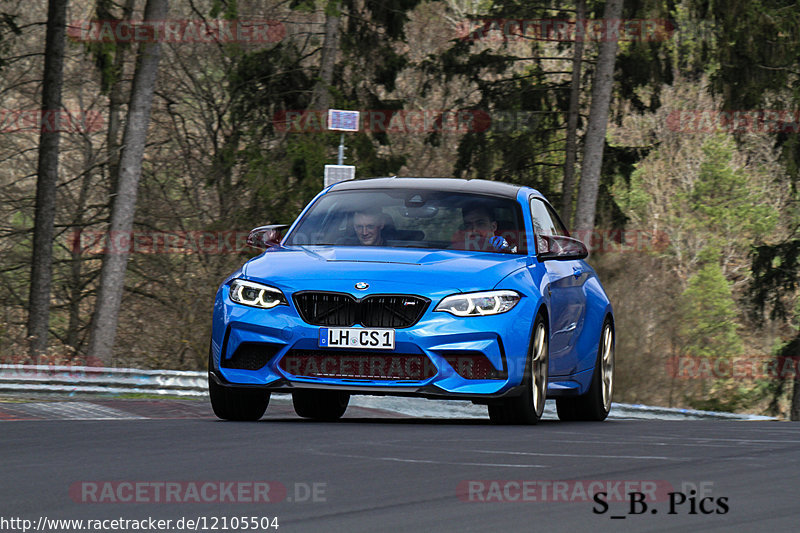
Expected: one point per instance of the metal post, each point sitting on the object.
(341, 150)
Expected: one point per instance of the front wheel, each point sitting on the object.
(529, 406)
(596, 403)
(239, 404)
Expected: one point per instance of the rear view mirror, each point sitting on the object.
(560, 248)
(420, 212)
(266, 236)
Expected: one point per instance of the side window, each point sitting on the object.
(558, 227)
(545, 222)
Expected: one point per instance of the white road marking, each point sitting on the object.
(425, 461)
(536, 454)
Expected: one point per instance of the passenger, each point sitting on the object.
(368, 224)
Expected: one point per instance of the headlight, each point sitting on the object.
(479, 303)
(256, 295)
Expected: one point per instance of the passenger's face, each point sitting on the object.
(368, 229)
(478, 221)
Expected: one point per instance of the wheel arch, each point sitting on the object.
(545, 313)
(609, 316)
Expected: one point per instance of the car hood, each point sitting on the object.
(393, 269)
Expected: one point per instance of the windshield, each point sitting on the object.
(408, 218)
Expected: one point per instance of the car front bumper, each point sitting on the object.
(443, 340)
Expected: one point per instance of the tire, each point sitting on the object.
(240, 404)
(528, 407)
(595, 404)
(320, 405)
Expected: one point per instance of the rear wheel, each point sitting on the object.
(596, 403)
(529, 406)
(319, 404)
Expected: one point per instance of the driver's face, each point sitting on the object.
(368, 229)
(479, 222)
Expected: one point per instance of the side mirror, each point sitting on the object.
(266, 236)
(560, 248)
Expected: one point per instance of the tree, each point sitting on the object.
(518, 82)
(110, 59)
(776, 278)
(320, 99)
(598, 119)
(708, 329)
(711, 200)
(112, 277)
(708, 313)
(8, 23)
(571, 149)
(757, 65)
(43, 231)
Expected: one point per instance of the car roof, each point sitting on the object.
(478, 186)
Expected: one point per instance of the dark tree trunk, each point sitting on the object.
(790, 365)
(116, 95)
(47, 179)
(320, 98)
(112, 277)
(116, 99)
(568, 186)
(596, 128)
(76, 280)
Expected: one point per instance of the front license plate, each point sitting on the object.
(374, 339)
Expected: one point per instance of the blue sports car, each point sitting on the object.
(428, 287)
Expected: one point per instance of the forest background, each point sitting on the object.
(682, 156)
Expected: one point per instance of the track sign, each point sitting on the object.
(341, 120)
(337, 173)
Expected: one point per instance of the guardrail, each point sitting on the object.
(101, 380)
(94, 380)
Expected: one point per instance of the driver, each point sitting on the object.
(478, 232)
(478, 222)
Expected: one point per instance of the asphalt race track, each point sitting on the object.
(378, 471)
